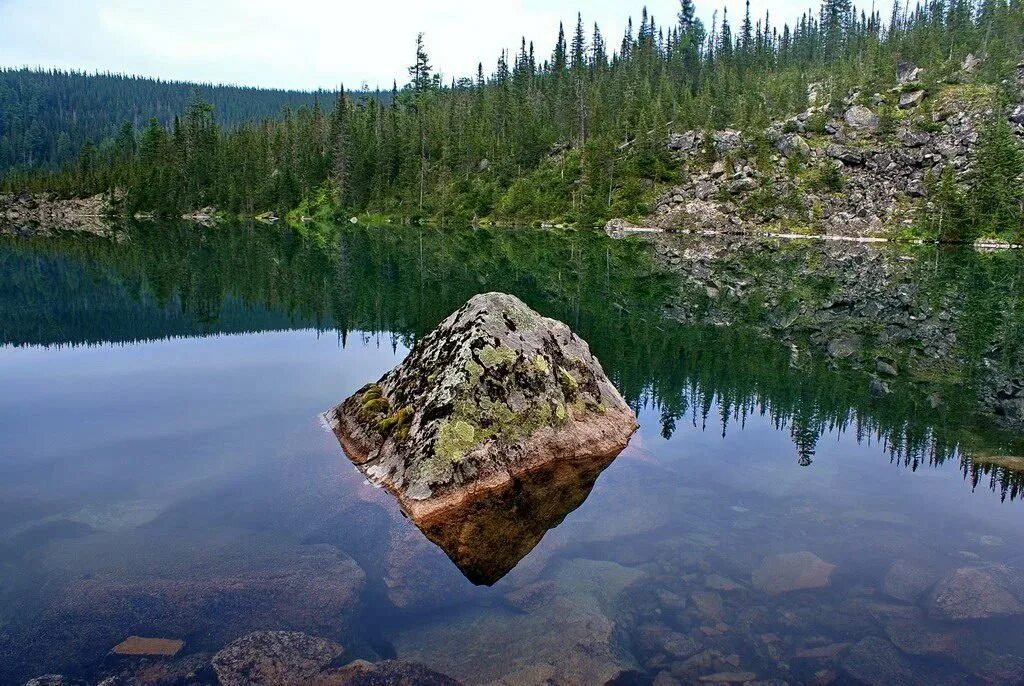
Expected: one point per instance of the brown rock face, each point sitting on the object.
(489, 433)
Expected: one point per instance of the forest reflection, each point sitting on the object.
(395, 284)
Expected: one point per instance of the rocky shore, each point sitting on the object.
(32, 214)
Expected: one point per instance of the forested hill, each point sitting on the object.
(580, 134)
(47, 116)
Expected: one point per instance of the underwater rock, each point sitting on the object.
(972, 593)
(874, 661)
(386, 673)
(208, 596)
(494, 393)
(907, 580)
(137, 645)
(566, 631)
(792, 572)
(274, 657)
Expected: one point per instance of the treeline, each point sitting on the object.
(46, 116)
(574, 135)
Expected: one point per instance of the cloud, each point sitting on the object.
(304, 43)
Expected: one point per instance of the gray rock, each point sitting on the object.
(878, 388)
(844, 347)
(683, 142)
(914, 139)
(911, 99)
(845, 155)
(971, 64)
(743, 185)
(907, 580)
(54, 680)
(861, 118)
(274, 658)
(727, 139)
(494, 391)
(907, 73)
(793, 145)
(973, 593)
(1017, 115)
(886, 367)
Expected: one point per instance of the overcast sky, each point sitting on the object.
(306, 43)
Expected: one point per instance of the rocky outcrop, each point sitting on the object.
(855, 175)
(28, 214)
(494, 392)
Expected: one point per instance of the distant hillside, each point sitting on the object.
(46, 116)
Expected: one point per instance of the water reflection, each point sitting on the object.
(489, 532)
(172, 281)
(180, 487)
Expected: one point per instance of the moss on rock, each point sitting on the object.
(492, 357)
(454, 439)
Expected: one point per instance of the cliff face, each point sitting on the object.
(862, 171)
(495, 391)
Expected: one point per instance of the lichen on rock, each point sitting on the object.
(494, 391)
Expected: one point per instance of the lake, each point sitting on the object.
(164, 471)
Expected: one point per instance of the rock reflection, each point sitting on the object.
(489, 531)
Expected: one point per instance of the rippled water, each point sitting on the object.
(163, 472)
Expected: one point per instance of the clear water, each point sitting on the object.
(163, 472)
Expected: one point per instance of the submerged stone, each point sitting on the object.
(973, 593)
(274, 657)
(792, 572)
(137, 645)
(496, 392)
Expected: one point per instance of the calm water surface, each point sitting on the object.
(163, 471)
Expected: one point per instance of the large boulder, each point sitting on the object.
(794, 145)
(911, 99)
(861, 118)
(907, 73)
(495, 392)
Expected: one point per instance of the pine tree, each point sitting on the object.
(997, 184)
(339, 145)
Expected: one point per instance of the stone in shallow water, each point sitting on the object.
(386, 673)
(907, 580)
(915, 635)
(792, 572)
(875, 662)
(274, 657)
(565, 632)
(496, 392)
(137, 645)
(973, 593)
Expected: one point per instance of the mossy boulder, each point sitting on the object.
(495, 391)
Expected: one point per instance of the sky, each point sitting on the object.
(308, 44)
